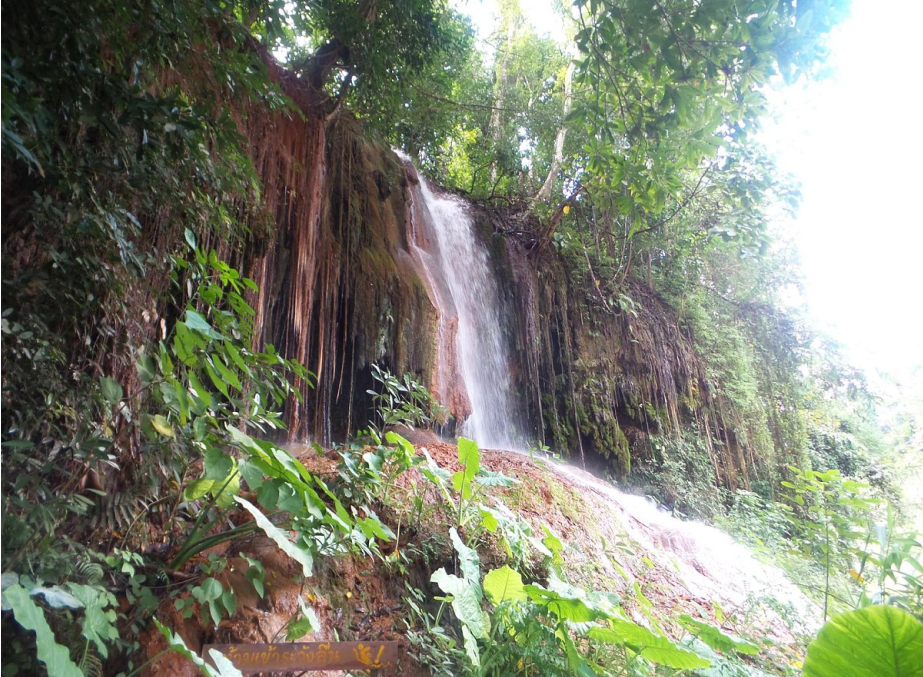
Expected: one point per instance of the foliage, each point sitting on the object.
(55, 657)
(220, 667)
(403, 402)
(466, 484)
(59, 607)
(133, 414)
(681, 475)
(551, 628)
(667, 81)
(830, 515)
(877, 641)
(895, 568)
(759, 522)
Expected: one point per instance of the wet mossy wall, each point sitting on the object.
(594, 381)
(365, 303)
(339, 293)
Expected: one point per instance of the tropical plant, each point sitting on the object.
(830, 516)
(403, 401)
(878, 641)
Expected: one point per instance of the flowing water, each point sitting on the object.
(459, 274)
(472, 350)
(711, 564)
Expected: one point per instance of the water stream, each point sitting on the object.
(459, 274)
(472, 357)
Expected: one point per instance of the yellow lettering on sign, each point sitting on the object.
(363, 654)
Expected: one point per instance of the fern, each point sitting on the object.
(91, 665)
(89, 572)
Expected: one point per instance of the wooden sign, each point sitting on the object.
(309, 656)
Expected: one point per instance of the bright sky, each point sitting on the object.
(855, 143)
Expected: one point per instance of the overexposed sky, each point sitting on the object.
(855, 143)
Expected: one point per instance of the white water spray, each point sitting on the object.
(711, 564)
(469, 292)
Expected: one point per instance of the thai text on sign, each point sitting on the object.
(310, 656)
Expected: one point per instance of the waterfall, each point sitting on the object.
(471, 346)
(472, 377)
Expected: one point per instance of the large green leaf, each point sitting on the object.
(300, 555)
(55, 657)
(878, 641)
(468, 560)
(715, 638)
(566, 608)
(648, 645)
(504, 584)
(112, 391)
(470, 459)
(466, 602)
(471, 646)
(99, 622)
(198, 323)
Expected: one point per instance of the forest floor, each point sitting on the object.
(654, 570)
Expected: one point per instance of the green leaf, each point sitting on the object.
(470, 459)
(469, 456)
(405, 446)
(297, 629)
(468, 560)
(162, 426)
(229, 488)
(878, 641)
(197, 489)
(553, 543)
(219, 384)
(112, 391)
(466, 602)
(300, 555)
(716, 639)
(253, 472)
(99, 625)
(200, 391)
(371, 527)
(185, 344)
(28, 614)
(646, 644)
(227, 374)
(471, 646)
(504, 584)
(218, 464)
(489, 518)
(236, 357)
(198, 323)
(565, 608)
(308, 622)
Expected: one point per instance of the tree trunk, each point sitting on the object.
(545, 193)
(496, 126)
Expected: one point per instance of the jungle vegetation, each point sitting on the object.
(163, 159)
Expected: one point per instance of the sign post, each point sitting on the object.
(310, 656)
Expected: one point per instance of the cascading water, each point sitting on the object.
(471, 349)
(466, 296)
(710, 563)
